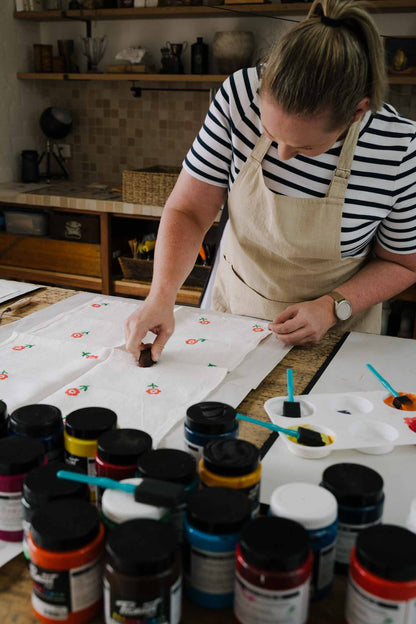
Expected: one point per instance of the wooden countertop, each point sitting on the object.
(15, 583)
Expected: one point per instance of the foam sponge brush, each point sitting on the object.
(291, 408)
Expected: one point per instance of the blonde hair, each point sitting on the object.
(328, 64)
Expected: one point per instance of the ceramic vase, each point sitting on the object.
(232, 50)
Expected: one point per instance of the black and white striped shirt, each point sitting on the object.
(381, 194)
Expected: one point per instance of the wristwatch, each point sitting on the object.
(342, 307)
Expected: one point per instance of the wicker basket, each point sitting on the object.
(149, 186)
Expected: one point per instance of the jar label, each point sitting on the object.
(346, 538)
(85, 465)
(365, 608)
(11, 511)
(164, 608)
(57, 593)
(323, 566)
(253, 494)
(210, 572)
(268, 606)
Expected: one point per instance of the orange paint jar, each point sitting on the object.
(66, 544)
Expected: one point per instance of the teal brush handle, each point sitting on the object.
(289, 383)
(267, 425)
(382, 380)
(103, 482)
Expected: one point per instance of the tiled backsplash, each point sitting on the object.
(114, 131)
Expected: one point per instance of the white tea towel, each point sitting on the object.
(33, 366)
(152, 399)
(213, 338)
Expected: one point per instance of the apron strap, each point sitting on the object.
(339, 182)
(261, 148)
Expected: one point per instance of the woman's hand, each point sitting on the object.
(154, 315)
(306, 322)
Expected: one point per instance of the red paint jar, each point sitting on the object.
(66, 543)
(118, 452)
(273, 572)
(382, 581)
(17, 457)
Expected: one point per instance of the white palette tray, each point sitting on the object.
(359, 421)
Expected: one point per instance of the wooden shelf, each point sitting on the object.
(405, 79)
(50, 277)
(384, 6)
(184, 78)
(186, 296)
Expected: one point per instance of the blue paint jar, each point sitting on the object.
(316, 510)
(176, 467)
(207, 421)
(42, 422)
(4, 420)
(214, 519)
(359, 493)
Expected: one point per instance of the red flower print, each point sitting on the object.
(76, 391)
(153, 389)
(204, 321)
(79, 334)
(72, 391)
(89, 356)
(96, 305)
(190, 341)
(257, 328)
(18, 348)
(4, 375)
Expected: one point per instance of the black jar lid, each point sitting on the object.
(3, 414)
(168, 465)
(218, 510)
(64, 525)
(142, 546)
(275, 544)
(123, 447)
(231, 457)
(41, 485)
(36, 420)
(388, 551)
(211, 417)
(18, 455)
(353, 485)
(89, 423)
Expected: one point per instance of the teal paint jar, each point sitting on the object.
(208, 421)
(214, 519)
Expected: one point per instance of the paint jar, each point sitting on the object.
(208, 421)
(17, 457)
(118, 507)
(176, 467)
(316, 510)
(273, 572)
(42, 486)
(43, 422)
(82, 430)
(66, 543)
(118, 452)
(214, 519)
(234, 464)
(382, 582)
(4, 420)
(360, 496)
(142, 576)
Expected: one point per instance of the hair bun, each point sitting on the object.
(334, 23)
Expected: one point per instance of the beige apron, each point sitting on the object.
(282, 250)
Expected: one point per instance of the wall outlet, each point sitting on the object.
(65, 150)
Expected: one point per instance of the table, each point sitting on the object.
(15, 584)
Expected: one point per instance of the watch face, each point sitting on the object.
(343, 310)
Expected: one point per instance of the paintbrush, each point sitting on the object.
(304, 436)
(399, 400)
(291, 408)
(149, 491)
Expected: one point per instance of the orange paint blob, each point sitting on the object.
(410, 407)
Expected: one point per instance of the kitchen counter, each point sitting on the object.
(73, 196)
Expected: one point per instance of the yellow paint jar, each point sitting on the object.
(82, 429)
(234, 464)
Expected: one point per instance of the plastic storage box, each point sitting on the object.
(27, 223)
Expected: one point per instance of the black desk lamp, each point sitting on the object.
(56, 124)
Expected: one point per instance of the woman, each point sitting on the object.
(321, 189)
